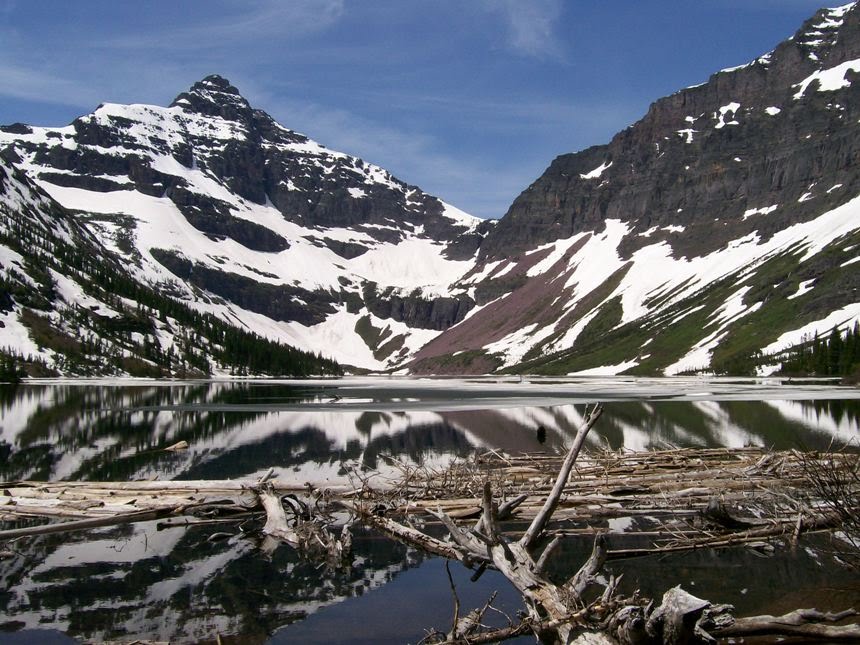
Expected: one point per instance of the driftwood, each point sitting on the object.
(675, 486)
(84, 506)
(701, 498)
(805, 623)
(563, 612)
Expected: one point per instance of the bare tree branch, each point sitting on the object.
(539, 523)
(543, 560)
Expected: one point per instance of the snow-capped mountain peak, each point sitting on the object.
(213, 96)
(244, 218)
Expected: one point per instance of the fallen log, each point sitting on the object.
(801, 622)
(89, 523)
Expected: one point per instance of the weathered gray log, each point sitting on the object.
(88, 523)
(539, 523)
(410, 535)
(801, 622)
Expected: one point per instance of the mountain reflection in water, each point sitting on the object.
(176, 584)
(96, 432)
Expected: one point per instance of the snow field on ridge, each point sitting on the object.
(655, 270)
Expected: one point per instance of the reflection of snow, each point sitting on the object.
(843, 430)
(367, 420)
(723, 429)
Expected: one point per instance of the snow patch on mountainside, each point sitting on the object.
(829, 80)
(589, 273)
(412, 264)
(570, 336)
(803, 287)
(15, 335)
(606, 370)
(765, 210)
(842, 319)
(559, 249)
(595, 174)
(470, 222)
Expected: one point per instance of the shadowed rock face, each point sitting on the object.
(417, 311)
(704, 156)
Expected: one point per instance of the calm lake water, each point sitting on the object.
(139, 582)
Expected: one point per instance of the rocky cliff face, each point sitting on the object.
(764, 134)
(709, 210)
(216, 203)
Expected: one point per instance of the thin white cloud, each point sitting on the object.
(244, 20)
(21, 82)
(517, 114)
(531, 25)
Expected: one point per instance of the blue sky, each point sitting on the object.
(469, 99)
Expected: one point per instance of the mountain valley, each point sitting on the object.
(716, 232)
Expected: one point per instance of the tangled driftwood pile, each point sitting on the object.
(743, 494)
(668, 487)
(677, 499)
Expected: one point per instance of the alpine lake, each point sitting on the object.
(187, 584)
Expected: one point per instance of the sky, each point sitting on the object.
(468, 99)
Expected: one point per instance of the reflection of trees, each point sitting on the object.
(130, 421)
(416, 443)
(838, 409)
(284, 449)
(8, 395)
(110, 600)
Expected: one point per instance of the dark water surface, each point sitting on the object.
(137, 582)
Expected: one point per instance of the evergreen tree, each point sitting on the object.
(834, 352)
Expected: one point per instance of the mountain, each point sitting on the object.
(721, 225)
(712, 234)
(214, 204)
(69, 306)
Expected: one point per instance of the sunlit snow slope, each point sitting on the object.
(69, 306)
